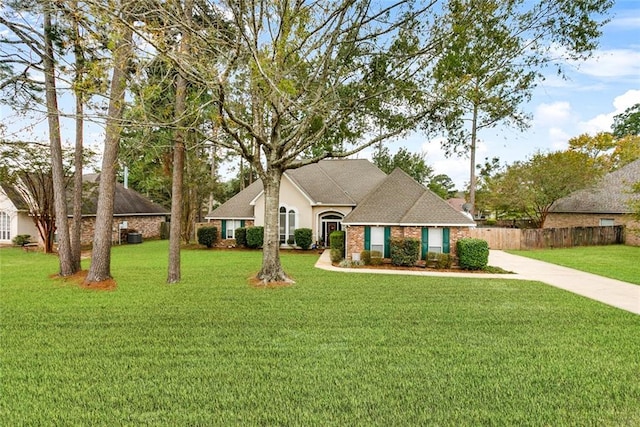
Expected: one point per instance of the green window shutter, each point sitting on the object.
(224, 229)
(242, 223)
(387, 242)
(367, 238)
(445, 240)
(425, 242)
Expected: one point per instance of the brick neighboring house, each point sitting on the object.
(351, 195)
(606, 203)
(130, 206)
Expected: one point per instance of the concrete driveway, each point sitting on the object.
(609, 291)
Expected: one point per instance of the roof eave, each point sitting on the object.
(229, 217)
(396, 224)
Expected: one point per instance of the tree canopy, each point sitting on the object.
(414, 164)
(627, 123)
(530, 188)
(493, 54)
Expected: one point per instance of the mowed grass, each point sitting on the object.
(333, 349)
(614, 261)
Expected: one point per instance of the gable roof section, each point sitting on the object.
(239, 206)
(126, 202)
(400, 200)
(15, 197)
(343, 182)
(337, 182)
(610, 195)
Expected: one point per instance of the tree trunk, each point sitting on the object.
(177, 185)
(100, 269)
(76, 236)
(271, 267)
(213, 171)
(59, 187)
(472, 155)
(175, 236)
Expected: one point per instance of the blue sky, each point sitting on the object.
(595, 91)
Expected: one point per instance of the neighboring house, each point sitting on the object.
(14, 216)
(130, 209)
(351, 195)
(604, 204)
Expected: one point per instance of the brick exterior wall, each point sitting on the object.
(562, 220)
(355, 237)
(148, 226)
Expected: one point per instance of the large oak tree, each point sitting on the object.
(297, 82)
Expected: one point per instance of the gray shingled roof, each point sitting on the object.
(126, 201)
(337, 182)
(328, 182)
(400, 200)
(239, 205)
(610, 195)
(15, 197)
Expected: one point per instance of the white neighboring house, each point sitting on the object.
(14, 216)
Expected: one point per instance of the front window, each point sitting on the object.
(283, 224)
(607, 222)
(232, 224)
(5, 226)
(377, 239)
(286, 224)
(292, 224)
(435, 240)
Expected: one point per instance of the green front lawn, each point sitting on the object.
(333, 349)
(614, 261)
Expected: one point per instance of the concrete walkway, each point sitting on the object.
(609, 291)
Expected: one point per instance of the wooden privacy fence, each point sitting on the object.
(499, 238)
(542, 238)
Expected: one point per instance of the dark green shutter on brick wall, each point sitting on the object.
(367, 238)
(242, 223)
(425, 242)
(224, 229)
(445, 241)
(387, 242)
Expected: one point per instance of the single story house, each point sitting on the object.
(351, 195)
(131, 211)
(604, 204)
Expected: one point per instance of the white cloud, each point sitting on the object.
(625, 22)
(603, 122)
(550, 114)
(626, 100)
(613, 63)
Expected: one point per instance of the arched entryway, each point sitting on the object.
(329, 222)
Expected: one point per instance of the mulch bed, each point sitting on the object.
(79, 279)
(387, 266)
